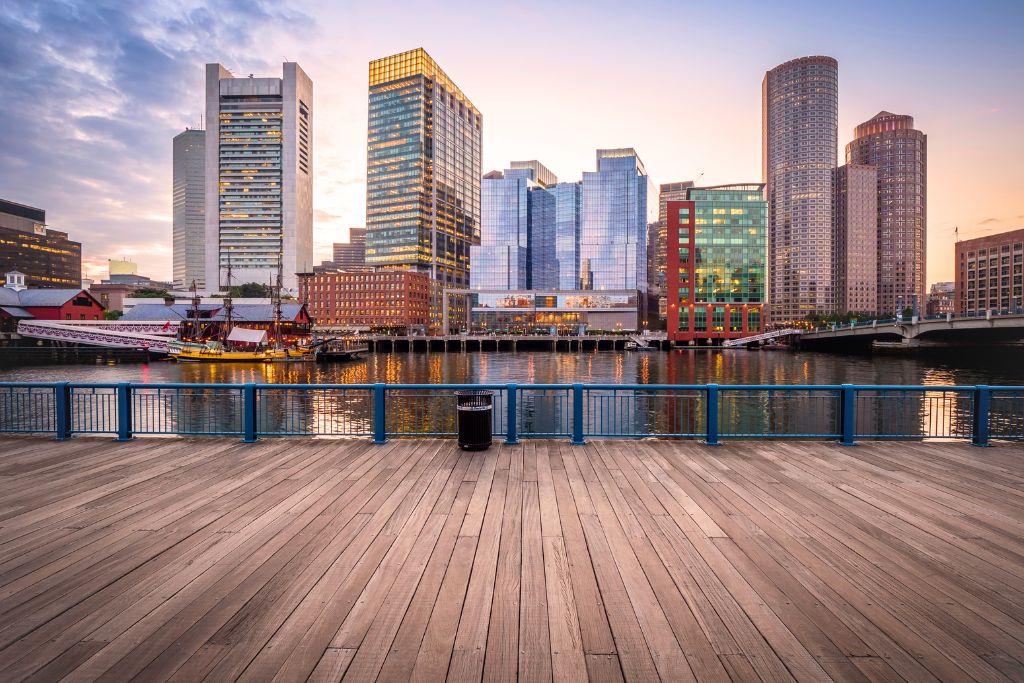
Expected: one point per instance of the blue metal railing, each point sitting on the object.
(710, 412)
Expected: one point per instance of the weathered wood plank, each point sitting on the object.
(203, 559)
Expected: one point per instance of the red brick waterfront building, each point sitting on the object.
(388, 301)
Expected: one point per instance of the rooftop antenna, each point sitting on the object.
(956, 233)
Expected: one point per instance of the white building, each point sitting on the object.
(259, 183)
(189, 203)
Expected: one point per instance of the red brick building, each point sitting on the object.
(990, 273)
(389, 301)
(716, 252)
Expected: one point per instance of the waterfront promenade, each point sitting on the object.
(192, 559)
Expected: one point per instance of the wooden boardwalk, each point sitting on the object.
(293, 560)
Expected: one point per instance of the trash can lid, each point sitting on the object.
(474, 392)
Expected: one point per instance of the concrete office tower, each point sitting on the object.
(617, 207)
(568, 204)
(890, 143)
(799, 126)
(657, 257)
(259, 182)
(189, 208)
(423, 168)
(351, 254)
(517, 233)
(855, 211)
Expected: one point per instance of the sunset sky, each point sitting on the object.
(94, 91)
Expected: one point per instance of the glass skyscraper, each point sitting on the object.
(423, 168)
(568, 198)
(615, 215)
(517, 242)
(717, 250)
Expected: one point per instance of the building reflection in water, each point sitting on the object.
(903, 413)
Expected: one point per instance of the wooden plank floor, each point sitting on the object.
(299, 560)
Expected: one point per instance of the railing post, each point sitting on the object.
(380, 434)
(982, 396)
(249, 433)
(511, 428)
(848, 415)
(124, 412)
(62, 410)
(711, 429)
(577, 415)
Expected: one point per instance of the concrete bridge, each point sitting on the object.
(949, 330)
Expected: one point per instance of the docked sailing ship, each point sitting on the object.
(232, 342)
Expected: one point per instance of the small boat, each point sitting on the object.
(632, 346)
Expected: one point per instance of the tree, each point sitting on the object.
(250, 290)
(150, 293)
(112, 315)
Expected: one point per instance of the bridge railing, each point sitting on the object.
(970, 315)
(577, 412)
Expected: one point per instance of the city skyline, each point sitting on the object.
(129, 101)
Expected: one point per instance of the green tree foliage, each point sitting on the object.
(149, 293)
(250, 290)
(112, 315)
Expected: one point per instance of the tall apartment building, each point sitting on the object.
(657, 257)
(351, 254)
(47, 258)
(423, 168)
(990, 273)
(854, 212)
(717, 252)
(259, 183)
(517, 235)
(800, 111)
(617, 206)
(188, 203)
(900, 153)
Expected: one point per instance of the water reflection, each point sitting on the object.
(611, 413)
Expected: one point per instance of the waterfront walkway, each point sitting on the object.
(317, 559)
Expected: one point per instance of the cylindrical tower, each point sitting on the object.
(800, 120)
(890, 143)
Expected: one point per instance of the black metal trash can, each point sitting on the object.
(474, 419)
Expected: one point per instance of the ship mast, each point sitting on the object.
(228, 309)
(195, 311)
(275, 292)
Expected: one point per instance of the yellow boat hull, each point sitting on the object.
(222, 356)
